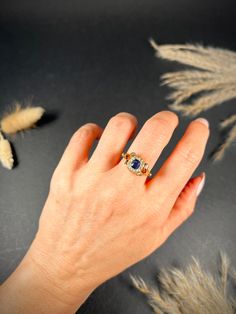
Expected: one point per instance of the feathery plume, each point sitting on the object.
(192, 290)
(212, 82)
(6, 156)
(20, 119)
(206, 58)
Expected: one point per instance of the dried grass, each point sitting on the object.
(192, 290)
(212, 84)
(209, 84)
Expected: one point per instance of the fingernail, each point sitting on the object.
(203, 121)
(201, 184)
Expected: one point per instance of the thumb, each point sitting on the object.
(184, 205)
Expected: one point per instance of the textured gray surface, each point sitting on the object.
(84, 62)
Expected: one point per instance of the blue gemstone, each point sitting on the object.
(135, 164)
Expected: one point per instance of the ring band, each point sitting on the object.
(136, 164)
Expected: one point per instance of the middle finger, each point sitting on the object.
(153, 137)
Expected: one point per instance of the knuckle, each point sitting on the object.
(190, 210)
(159, 128)
(165, 232)
(59, 184)
(162, 122)
(157, 122)
(186, 213)
(190, 155)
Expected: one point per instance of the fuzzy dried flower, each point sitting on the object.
(20, 119)
(6, 156)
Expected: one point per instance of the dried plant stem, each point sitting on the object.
(231, 137)
(224, 270)
(227, 122)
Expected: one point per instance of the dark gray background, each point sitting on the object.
(84, 61)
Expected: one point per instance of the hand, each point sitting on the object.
(99, 218)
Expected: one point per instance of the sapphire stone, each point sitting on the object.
(135, 164)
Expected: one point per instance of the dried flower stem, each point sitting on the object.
(227, 122)
(231, 137)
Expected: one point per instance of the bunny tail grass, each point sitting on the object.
(212, 82)
(20, 119)
(6, 156)
(192, 290)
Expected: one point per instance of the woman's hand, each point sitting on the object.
(99, 218)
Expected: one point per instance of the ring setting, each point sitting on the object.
(136, 164)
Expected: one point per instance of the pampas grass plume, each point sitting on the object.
(211, 82)
(192, 290)
(6, 156)
(20, 119)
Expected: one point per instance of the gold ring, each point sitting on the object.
(136, 164)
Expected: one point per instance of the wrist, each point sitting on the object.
(55, 284)
(31, 289)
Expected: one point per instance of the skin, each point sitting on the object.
(99, 218)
